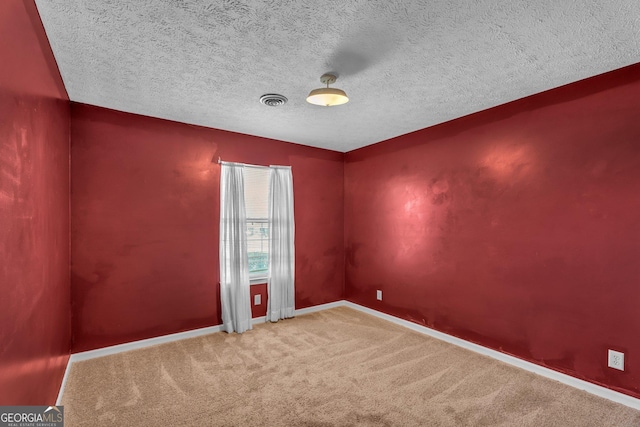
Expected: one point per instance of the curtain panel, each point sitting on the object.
(281, 301)
(234, 263)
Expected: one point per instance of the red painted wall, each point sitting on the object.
(145, 220)
(260, 310)
(34, 212)
(517, 228)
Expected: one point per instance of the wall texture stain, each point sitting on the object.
(145, 222)
(516, 228)
(34, 212)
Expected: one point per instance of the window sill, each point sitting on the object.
(258, 280)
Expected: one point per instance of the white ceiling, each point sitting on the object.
(405, 65)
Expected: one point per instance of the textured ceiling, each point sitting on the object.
(405, 65)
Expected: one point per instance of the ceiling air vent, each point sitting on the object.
(273, 100)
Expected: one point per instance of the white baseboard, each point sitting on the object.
(257, 320)
(594, 389)
(320, 307)
(114, 349)
(64, 382)
(134, 345)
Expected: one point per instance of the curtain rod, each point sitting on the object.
(222, 162)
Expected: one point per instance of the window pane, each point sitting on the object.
(258, 246)
(256, 198)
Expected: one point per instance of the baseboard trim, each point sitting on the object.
(320, 307)
(257, 320)
(591, 388)
(135, 345)
(64, 382)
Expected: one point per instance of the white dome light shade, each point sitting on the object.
(326, 96)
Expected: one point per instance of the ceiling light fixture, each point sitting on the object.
(327, 96)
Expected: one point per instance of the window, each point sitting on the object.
(256, 199)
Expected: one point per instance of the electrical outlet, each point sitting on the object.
(616, 360)
(379, 295)
(257, 299)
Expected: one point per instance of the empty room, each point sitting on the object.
(319, 213)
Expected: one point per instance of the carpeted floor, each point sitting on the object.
(338, 367)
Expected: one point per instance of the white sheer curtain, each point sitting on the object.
(234, 264)
(281, 303)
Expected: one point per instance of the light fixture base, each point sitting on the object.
(328, 79)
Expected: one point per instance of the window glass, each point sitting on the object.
(256, 198)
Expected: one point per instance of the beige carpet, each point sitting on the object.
(337, 367)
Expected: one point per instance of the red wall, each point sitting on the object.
(517, 228)
(260, 310)
(145, 220)
(34, 212)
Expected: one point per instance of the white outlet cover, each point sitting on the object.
(257, 299)
(616, 360)
(379, 295)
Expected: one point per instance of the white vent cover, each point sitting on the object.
(273, 100)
